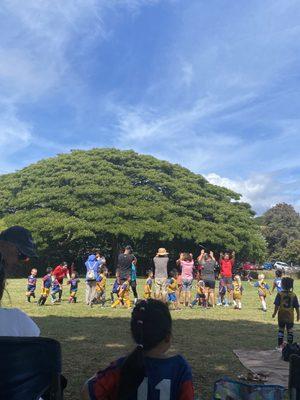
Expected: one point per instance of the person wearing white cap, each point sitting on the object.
(161, 261)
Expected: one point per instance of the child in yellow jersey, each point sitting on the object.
(263, 290)
(237, 292)
(200, 295)
(101, 286)
(148, 285)
(286, 302)
(172, 286)
(123, 295)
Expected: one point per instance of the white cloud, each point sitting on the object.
(261, 191)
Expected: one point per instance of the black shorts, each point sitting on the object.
(210, 284)
(288, 325)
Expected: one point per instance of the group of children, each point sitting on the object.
(50, 286)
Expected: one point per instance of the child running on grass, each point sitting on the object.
(46, 285)
(286, 302)
(31, 284)
(148, 372)
(172, 286)
(73, 282)
(124, 294)
(55, 289)
(263, 291)
(277, 281)
(148, 285)
(237, 292)
(200, 295)
(101, 286)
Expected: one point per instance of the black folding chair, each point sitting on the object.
(30, 368)
(294, 377)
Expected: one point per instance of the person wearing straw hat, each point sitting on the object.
(161, 261)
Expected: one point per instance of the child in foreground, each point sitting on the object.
(31, 284)
(46, 285)
(263, 290)
(222, 292)
(147, 372)
(73, 282)
(286, 302)
(148, 285)
(116, 287)
(55, 289)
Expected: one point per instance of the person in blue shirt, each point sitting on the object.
(277, 281)
(147, 372)
(92, 270)
(47, 281)
(55, 289)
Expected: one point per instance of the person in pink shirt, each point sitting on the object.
(186, 264)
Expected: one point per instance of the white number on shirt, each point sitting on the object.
(163, 386)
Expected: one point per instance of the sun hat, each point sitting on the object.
(21, 238)
(162, 252)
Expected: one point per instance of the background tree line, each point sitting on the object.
(105, 198)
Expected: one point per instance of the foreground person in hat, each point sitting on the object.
(16, 245)
(161, 261)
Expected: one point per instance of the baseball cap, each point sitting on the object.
(21, 238)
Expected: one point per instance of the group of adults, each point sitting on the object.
(204, 267)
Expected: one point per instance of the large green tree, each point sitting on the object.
(281, 228)
(107, 197)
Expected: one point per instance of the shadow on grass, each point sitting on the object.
(90, 343)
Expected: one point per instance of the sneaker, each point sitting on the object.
(226, 305)
(219, 304)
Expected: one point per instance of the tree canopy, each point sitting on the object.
(108, 197)
(281, 228)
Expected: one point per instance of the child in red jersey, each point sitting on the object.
(147, 372)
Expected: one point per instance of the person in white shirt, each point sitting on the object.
(15, 244)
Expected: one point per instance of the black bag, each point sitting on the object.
(290, 349)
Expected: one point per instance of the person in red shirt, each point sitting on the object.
(226, 265)
(61, 272)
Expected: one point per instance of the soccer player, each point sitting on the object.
(101, 286)
(148, 372)
(47, 281)
(123, 296)
(237, 292)
(263, 290)
(277, 281)
(73, 282)
(148, 285)
(172, 286)
(61, 272)
(200, 295)
(286, 303)
(31, 284)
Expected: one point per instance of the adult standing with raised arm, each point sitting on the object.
(207, 262)
(226, 263)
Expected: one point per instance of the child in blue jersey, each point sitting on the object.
(47, 282)
(222, 292)
(116, 287)
(73, 282)
(55, 289)
(172, 287)
(31, 284)
(277, 281)
(148, 372)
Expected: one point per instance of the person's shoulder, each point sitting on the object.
(183, 366)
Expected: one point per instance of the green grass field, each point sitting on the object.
(92, 337)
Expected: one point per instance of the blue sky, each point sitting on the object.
(211, 85)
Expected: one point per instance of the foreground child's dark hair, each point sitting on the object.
(151, 323)
(287, 284)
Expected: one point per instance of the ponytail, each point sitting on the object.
(151, 323)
